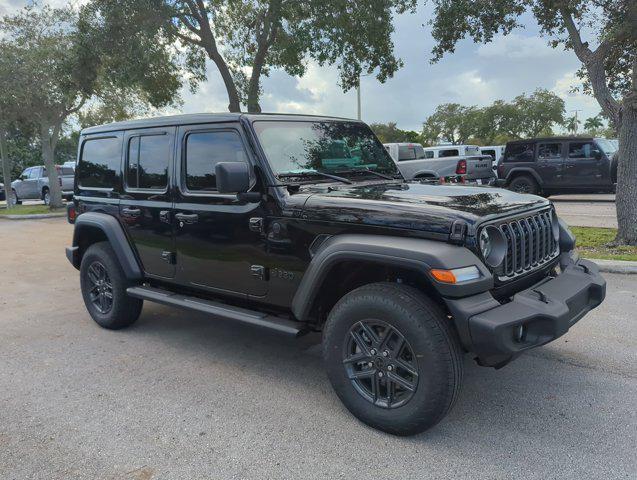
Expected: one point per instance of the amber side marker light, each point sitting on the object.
(456, 275)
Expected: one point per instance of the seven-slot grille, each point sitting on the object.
(530, 243)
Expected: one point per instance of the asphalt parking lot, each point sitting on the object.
(184, 396)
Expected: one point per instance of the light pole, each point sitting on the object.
(575, 125)
(358, 95)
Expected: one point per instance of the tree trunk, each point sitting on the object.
(626, 202)
(226, 75)
(6, 166)
(255, 81)
(48, 140)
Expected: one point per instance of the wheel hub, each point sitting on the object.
(380, 363)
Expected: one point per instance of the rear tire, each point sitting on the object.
(46, 196)
(524, 184)
(104, 289)
(409, 333)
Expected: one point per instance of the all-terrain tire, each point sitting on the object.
(524, 184)
(427, 331)
(100, 272)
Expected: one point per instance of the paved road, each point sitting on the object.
(183, 396)
(584, 212)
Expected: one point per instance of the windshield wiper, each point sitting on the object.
(367, 170)
(315, 173)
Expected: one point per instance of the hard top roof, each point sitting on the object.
(197, 118)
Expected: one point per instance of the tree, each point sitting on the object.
(609, 70)
(539, 112)
(245, 39)
(57, 67)
(451, 122)
(390, 133)
(593, 123)
(571, 124)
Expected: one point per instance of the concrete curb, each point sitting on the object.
(616, 266)
(581, 200)
(35, 216)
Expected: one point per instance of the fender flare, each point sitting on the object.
(414, 254)
(427, 173)
(115, 236)
(526, 170)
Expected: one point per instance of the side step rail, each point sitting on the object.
(231, 312)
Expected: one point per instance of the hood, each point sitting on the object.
(414, 205)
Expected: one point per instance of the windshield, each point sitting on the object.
(608, 146)
(328, 147)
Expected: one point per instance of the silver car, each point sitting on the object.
(33, 184)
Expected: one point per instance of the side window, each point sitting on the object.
(549, 150)
(449, 153)
(35, 173)
(519, 152)
(489, 152)
(26, 173)
(406, 153)
(203, 151)
(100, 163)
(67, 171)
(429, 154)
(148, 158)
(580, 150)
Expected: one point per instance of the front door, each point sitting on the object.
(550, 163)
(27, 188)
(216, 248)
(582, 168)
(146, 203)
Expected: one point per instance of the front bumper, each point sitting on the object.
(497, 333)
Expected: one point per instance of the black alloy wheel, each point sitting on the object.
(380, 363)
(101, 288)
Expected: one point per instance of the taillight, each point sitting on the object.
(71, 214)
(461, 168)
(500, 170)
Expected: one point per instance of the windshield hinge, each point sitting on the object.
(458, 231)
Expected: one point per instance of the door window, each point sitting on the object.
(580, 150)
(203, 151)
(148, 158)
(449, 153)
(548, 150)
(489, 152)
(410, 152)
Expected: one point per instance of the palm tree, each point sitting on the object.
(593, 123)
(571, 124)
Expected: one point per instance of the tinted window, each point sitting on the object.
(148, 158)
(204, 150)
(410, 152)
(549, 150)
(580, 150)
(519, 152)
(429, 154)
(489, 152)
(100, 163)
(449, 153)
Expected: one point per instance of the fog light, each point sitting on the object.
(519, 333)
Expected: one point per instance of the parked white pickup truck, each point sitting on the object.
(416, 162)
(33, 184)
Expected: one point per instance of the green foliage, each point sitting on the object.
(390, 133)
(593, 242)
(525, 116)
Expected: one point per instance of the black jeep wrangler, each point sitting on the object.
(303, 223)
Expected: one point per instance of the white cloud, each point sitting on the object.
(515, 46)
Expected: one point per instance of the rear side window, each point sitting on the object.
(453, 152)
(489, 152)
(410, 152)
(549, 150)
(148, 158)
(519, 152)
(100, 162)
(204, 150)
(429, 154)
(580, 150)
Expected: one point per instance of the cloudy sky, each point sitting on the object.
(474, 75)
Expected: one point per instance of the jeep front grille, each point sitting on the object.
(530, 244)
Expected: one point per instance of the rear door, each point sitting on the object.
(581, 166)
(550, 162)
(145, 207)
(216, 248)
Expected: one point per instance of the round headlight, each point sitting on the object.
(493, 246)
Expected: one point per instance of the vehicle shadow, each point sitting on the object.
(537, 398)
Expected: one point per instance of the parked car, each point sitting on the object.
(496, 152)
(70, 164)
(33, 184)
(413, 164)
(559, 165)
(440, 151)
(304, 223)
(3, 195)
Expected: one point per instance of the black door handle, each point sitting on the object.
(187, 217)
(131, 212)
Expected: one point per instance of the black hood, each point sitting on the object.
(415, 206)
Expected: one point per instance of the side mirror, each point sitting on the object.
(232, 177)
(597, 154)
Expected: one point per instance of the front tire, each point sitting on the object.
(104, 287)
(392, 358)
(14, 198)
(46, 196)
